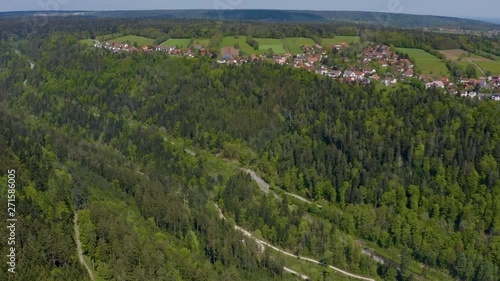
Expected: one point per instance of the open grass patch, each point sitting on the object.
(107, 37)
(425, 62)
(132, 39)
(294, 44)
(458, 54)
(326, 42)
(204, 42)
(240, 42)
(88, 42)
(491, 66)
(180, 43)
(270, 43)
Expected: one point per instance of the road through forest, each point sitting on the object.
(261, 242)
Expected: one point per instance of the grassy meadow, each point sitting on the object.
(131, 39)
(425, 62)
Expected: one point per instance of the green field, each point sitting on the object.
(89, 42)
(293, 44)
(494, 56)
(131, 39)
(270, 43)
(463, 64)
(425, 62)
(181, 43)
(338, 39)
(203, 42)
(492, 66)
(107, 37)
(230, 41)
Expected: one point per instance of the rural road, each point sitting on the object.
(79, 246)
(248, 234)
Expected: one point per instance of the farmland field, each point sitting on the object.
(492, 66)
(293, 44)
(270, 43)
(133, 38)
(464, 58)
(181, 43)
(461, 54)
(488, 55)
(425, 62)
(230, 41)
(203, 42)
(338, 39)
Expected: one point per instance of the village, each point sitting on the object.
(361, 64)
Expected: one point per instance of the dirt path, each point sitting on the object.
(480, 69)
(261, 242)
(79, 247)
(296, 273)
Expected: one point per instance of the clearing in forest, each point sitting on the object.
(425, 62)
(326, 42)
(270, 43)
(240, 42)
(294, 44)
(181, 43)
(132, 39)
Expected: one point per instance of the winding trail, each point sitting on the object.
(480, 69)
(296, 273)
(79, 247)
(261, 242)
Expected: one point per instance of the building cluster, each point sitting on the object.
(374, 62)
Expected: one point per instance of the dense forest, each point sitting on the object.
(163, 29)
(226, 10)
(414, 172)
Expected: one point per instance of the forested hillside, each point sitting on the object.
(226, 11)
(412, 171)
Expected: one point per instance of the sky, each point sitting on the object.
(476, 9)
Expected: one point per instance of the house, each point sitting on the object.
(334, 73)
(360, 74)
(436, 84)
(390, 81)
(365, 81)
(408, 73)
(322, 70)
(229, 52)
(165, 48)
(369, 71)
(349, 74)
(482, 83)
(312, 59)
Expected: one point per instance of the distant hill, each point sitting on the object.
(373, 18)
(490, 20)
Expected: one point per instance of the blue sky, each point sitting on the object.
(475, 9)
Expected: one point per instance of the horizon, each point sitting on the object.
(494, 20)
(411, 7)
